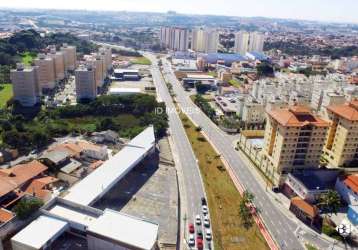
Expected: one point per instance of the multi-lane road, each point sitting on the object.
(191, 179)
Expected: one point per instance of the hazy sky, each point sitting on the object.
(323, 10)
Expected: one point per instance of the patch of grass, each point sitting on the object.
(213, 74)
(141, 60)
(329, 229)
(223, 197)
(5, 93)
(28, 57)
(310, 247)
(235, 83)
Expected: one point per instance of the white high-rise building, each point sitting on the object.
(46, 71)
(205, 40)
(59, 62)
(248, 42)
(86, 87)
(25, 84)
(176, 39)
(70, 56)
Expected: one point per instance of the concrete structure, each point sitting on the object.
(86, 87)
(347, 187)
(248, 42)
(253, 113)
(126, 74)
(59, 62)
(204, 40)
(294, 139)
(174, 38)
(124, 91)
(341, 146)
(46, 69)
(70, 56)
(98, 64)
(107, 51)
(26, 87)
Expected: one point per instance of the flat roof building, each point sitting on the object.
(59, 62)
(46, 69)
(86, 87)
(26, 86)
(70, 56)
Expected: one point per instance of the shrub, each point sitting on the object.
(26, 207)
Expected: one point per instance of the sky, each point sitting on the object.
(320, 10)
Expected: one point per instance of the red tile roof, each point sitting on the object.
(297, 116)
(348, 111)
(351, 181)
(5, 215)
(307, 208)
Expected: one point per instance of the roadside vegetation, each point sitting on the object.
(141, 60)
(204, 105)
(224, 199)
(235, 83)
(127, 115)
(5, 94)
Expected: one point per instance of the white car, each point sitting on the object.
(197, 220)
(206, 221)
(191, 240)
(208, 234)
(205, 209)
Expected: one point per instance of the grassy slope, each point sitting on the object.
(223, 198)
(141, 60)
(5, 93)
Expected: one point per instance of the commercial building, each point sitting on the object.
(86, 87)
(174, 38)
(294, 139)
(46, 70)
(248, 42)
(205, 40)
(59, 62)
(126, 74)
(26, 87)
(70, 56)
(341, 148)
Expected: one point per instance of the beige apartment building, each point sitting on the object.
(341, 149)
(102, 54)
(25, 84)
(294, 139)
(46, 71)
(98, 64)
(108, 57)
(70, 56)
(59, 62)
(86, 87)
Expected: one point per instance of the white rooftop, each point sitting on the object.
(126, 229)
(124, 90)
(88, 190)
(40, 231)
(72, 215)
(126, 71)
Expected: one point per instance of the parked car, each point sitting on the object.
(191, 240)
(205, 209)
(199, 244)
(206, 221)
(191, 228)
(208, 235)
(199, 233)
(197, 220)
(203, 201)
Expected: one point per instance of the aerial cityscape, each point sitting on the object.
(178, 125)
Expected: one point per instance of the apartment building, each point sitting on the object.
(26, 87)
(107, 52)
(98, 64)
(46, 69)
(70, 56)
(174, 38)
(341, 148)
(253, 113)
(294, 139)
(248, 42)
(205, 40)
(86, 87)
(59, 62)
(103, 56)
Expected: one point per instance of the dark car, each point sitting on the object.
(203, 201)
(199, 233)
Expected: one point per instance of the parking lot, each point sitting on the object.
(150, 191)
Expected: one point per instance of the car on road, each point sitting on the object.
(197, 220)
(205, 209)
(191, 228)
(208, 235)
(203, 201)
(206, 221)
(191, 240)
(199, 244)
(199, 234)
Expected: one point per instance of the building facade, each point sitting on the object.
(46, 69)
(248, 42)
(59, 62)
(86, 87)
(205, 40)
(174, 38)
(70, 56)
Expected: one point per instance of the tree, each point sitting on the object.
(244, 209)
(40, 139)
(264, 69)
(107, 123)
(330, 201)
(26, 207)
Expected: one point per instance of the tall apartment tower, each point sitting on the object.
(97, 63)
(205, 40)
(26, 86)
(70, 56)
(46, 69)
(341, 148)
(108, 53)
(86, 87)
(248, 42)
(294, 139)
(103, 55)
(59, 62)
(176, 39)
